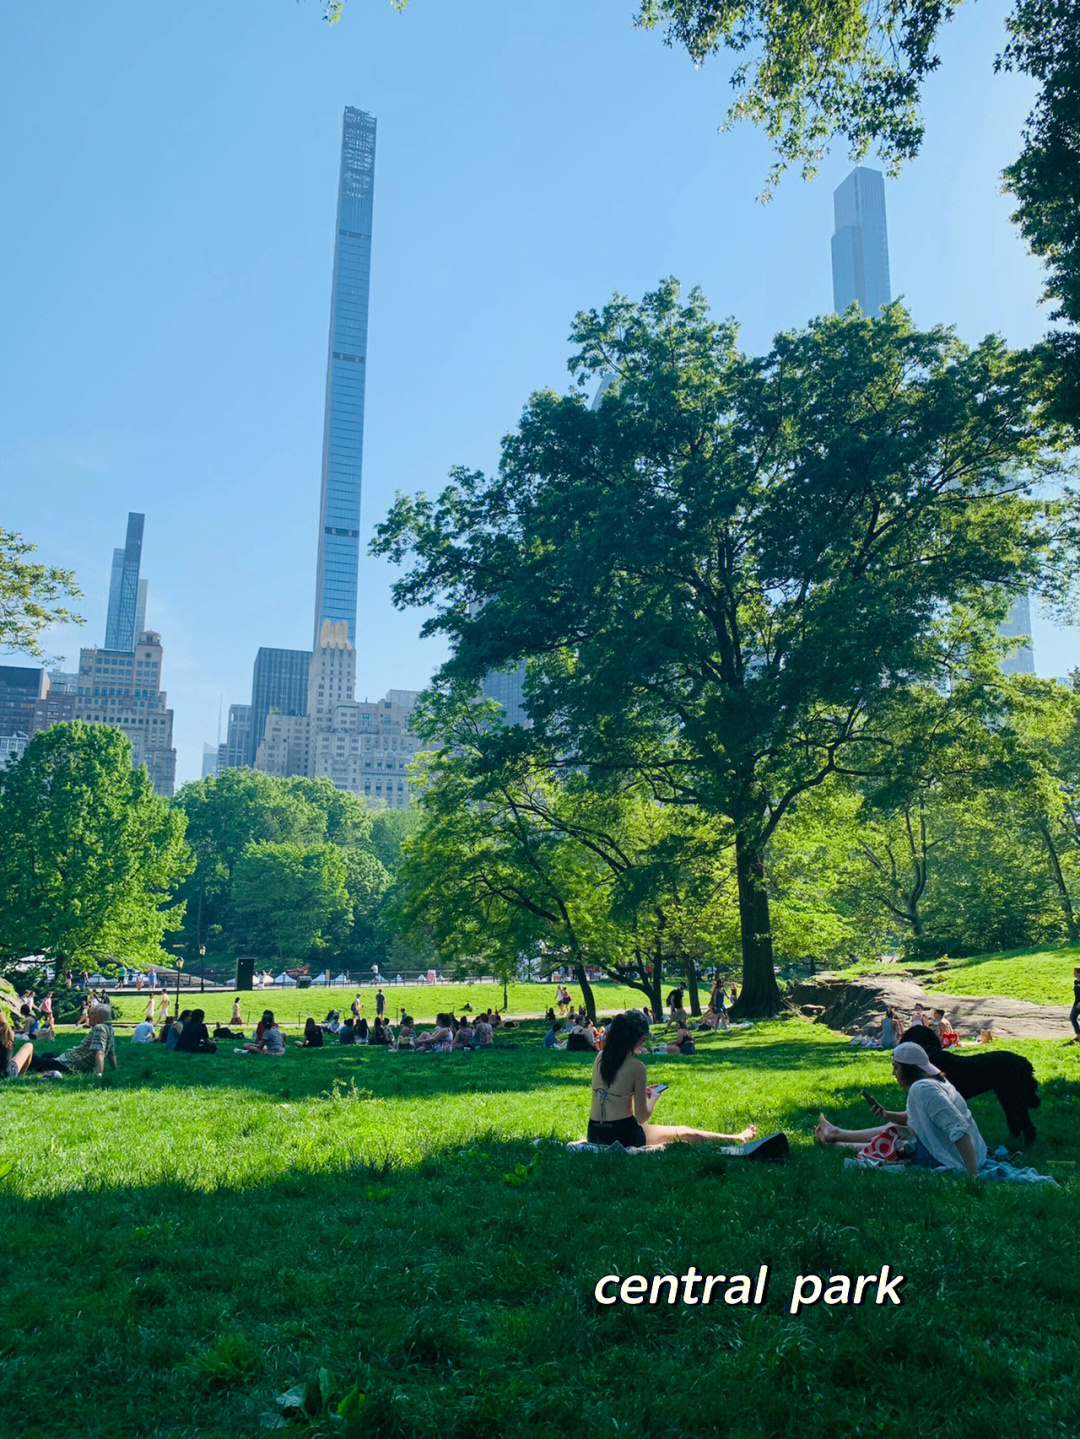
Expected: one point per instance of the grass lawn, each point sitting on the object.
(422, 1001)
(201, 1234)
(1043, 976)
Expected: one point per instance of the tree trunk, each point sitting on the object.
(760, 996)
(586, 992)
(692, 986)
(1059, 879)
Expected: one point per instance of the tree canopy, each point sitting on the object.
(89, 855)
(31, 596)
(733, 576)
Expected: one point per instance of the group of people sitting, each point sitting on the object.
(576, 1034)
(893, 1026)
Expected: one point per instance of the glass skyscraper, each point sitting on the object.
(860, 246)
(127, 594)
(279, 682)
(343, 432)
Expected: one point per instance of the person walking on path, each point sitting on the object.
(163, 1011)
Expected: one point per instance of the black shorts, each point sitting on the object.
(41, 1063)
(687, 1047)
(627, 1132)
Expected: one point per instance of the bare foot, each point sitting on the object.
(825, 1133)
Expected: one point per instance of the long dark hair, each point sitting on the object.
(624, 1032)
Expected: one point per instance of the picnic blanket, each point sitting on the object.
(991, 1169)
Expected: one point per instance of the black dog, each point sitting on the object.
(1009, 1076)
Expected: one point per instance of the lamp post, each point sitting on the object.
(179, 967)
(202, 967)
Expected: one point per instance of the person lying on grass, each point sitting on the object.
(946, 1135)
(622, 1101)
(272, 1041)
(90, 1055)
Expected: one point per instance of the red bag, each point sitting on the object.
(891, 1146)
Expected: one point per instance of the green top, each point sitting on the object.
(100, 1040)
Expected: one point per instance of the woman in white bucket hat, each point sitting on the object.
(946, 1135)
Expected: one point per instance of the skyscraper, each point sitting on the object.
(279, 682)
(1017, 626)
(860, 246)
(343, 428)
(122, 688)
(127, 596)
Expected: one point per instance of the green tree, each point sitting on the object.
(31, 596)
(90, 857)
(227, 813)
(367, 883)
(291, 901)
(729, 578)
(1045, 178)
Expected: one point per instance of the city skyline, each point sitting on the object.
(201, 401)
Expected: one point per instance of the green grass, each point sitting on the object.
(1043, 976)
(350, 1221)
(423, 1001)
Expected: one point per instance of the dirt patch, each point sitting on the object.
(855, 1007)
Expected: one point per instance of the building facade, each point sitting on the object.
(127, 594)
(279, 682)
(123, 688)
(235, 752)
(860, 245)
(368, 747)
(30, 702)
(343, 426)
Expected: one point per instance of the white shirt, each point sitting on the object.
(940, 1116)
(144, 1033)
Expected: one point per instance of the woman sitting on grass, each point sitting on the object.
(946, 1136)
(406, 1036)
(195, 1037)
(683, 1043)
(313, 1036)
(439, 1040)
(622, 1102)
(272, 1040)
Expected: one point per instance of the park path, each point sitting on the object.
(855, 1006)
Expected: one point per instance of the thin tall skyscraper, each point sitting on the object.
(343, 432)
(860, 246)
(127, 596)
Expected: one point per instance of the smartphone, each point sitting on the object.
(874, 1104)
(659, 1088)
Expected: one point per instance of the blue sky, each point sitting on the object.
(170, 180)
